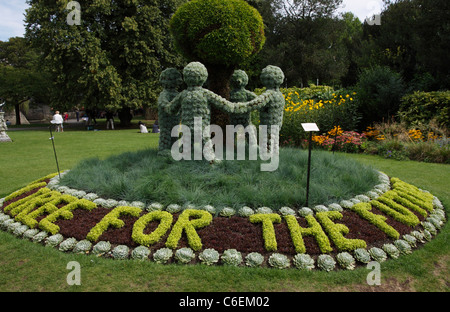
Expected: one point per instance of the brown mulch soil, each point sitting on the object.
(225, 233)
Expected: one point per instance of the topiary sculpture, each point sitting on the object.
(220, 34)
(196, 101)
(238, 93)
(170, 80)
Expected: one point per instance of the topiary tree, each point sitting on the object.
(221, 34)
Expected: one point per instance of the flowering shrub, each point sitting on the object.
(339, 140)
(319, 104)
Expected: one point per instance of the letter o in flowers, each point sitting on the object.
(138, 235)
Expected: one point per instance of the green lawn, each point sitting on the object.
(25, 266)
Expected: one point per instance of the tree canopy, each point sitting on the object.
(113, 59)
(20, 77)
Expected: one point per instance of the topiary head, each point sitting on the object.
(195, 74)
(239, 79)
(170, 78)
(218, 32)
(272, 77)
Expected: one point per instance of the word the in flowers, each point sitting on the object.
(211, 149)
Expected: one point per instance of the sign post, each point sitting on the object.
(309, 127)
(54, 149)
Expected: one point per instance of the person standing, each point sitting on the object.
(58, 121)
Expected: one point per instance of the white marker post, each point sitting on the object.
(309, 127)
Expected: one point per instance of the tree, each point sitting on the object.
(20, 77)
(221, 35)
(307, 42)
(113, 59)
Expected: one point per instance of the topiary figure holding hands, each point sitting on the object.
(195, 102)
(170, 80)
(238, 93)
(270, 104)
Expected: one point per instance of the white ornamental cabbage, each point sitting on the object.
(54, 240)
(346, 260)
(303, 262)
(82, 246)
(279, 261)
(378, 254)
(162, 255)
(121, 252)
(140, 253)
(184, 255)
(209, 256)
(101, 248)
(232, 257)
(68, 244)
(326, 263)
(254, 259)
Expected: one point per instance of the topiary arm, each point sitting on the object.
(250, 95)
(256, 103)
(219, 101)
(172, 107)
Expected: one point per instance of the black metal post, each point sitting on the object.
(54, 150)
(309, 169)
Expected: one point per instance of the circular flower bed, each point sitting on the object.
(386, 222)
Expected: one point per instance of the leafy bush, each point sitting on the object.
(379, 90)
(420, 108)
(218, 32)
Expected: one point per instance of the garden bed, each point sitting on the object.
(353, 233)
